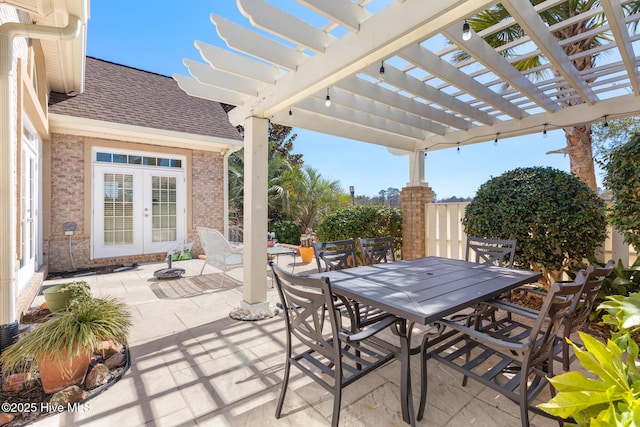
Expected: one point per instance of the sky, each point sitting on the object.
(157, 36)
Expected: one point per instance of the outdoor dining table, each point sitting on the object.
(421, 291)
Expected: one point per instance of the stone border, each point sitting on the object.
(239, 313)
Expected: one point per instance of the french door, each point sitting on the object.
(137, 210)
(29, 208)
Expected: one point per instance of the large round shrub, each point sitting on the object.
(556, 218)
(362, 221)
(623, 179)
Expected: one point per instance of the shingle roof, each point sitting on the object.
(121, 94)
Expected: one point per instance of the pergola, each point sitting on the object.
(389, 70)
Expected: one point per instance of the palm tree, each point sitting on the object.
(311, 197)
(579, 137)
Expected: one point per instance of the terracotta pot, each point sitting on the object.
(306, 254)
(57, 372)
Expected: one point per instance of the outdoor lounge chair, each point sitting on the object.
(323, 351)
(219, 252)
(512, 361)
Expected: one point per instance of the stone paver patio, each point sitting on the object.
(194, 365)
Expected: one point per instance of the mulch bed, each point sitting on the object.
(33, 392)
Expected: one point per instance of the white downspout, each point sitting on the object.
(225, 180)
(8, 138)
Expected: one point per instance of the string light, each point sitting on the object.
(495, 141)
(327, 100)
(290, 114)
(466, 30)
(606, 123)
(458, 149)
(381, 72)
(544, 132)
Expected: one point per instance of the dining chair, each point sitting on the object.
(325, 352)
(335, 255)
(578, 314)
(375, 250)
(499, 252)
(514, 362)
(338, 255)
(219, 253)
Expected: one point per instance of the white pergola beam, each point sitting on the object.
(194, 88)
(244, 40)
(346, 13)
(227, 61)
(380, 94)
(435, 65)
(278, 22)
(618, 25)
(314, 122)
(492, 60)
(617, 107)
(395, 27)
(538, 32)
(406, 82)
(208, 76)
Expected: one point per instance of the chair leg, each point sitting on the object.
(565, 355)
(337, 397)
(423, 378)
(204, 263)
(283, 390)
(224, 273)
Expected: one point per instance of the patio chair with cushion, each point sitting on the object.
(514, 362)
(376, 250)
(219, 253)
(323, 351)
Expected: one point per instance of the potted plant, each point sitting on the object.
(59, 296)
(62, 347)
(306, 246)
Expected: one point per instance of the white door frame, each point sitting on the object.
(143, 203)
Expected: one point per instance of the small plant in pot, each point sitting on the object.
(59, 296)
(61, 348)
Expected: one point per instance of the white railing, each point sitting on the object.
(445, 237)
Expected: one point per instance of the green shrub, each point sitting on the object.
(362, 221)
(622, 281)
(556, 218)
(622, 166)
(610, 395)
(286, 231)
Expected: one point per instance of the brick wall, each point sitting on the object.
(67, 179)
(413, 200)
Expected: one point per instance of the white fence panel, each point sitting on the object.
(445, 236)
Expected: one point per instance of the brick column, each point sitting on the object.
(413, 201)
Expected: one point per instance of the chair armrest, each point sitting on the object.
(513, 308)
(488, 340)
(369, 331)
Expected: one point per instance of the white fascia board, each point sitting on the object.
(128, 133)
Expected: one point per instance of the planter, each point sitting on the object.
(56, 299)
(306, 254)
(57, 372)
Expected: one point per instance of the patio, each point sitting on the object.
(193, 365)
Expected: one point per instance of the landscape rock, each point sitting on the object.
(97, 376)
(107, 348)
(68, 395)
(15, 382)
(114, 361)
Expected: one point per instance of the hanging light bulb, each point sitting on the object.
(466, 30)
(327, 100)
(544, 131)
(290, 114)
(606, 123)
(458, 149)
(381, 72)
(495, 141)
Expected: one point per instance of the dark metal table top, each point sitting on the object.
(426, 289)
